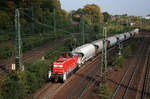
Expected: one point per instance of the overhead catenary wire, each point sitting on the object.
(45, 25)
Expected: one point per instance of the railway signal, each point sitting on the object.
(74, 43)
(104, 56)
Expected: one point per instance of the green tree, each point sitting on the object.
(4, 19)
(107, 16)
(3, 4)
(118, 61)
(34, 76)
(12, 89)
(94, 12)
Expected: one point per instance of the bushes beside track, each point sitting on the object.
(6, 37)
(118, 61)
(34, 76)
(11, 88)
(145, 28)
(104, 92)
(6, 51)
(127, 51)
(19, 85)
(28, 43)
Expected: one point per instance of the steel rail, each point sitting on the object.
(146, 81)
(132, 75)
(87, 86)
(121, 81)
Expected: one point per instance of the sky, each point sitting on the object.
(131, 7)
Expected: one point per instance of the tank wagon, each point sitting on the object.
(111, 41)
(120, 37)
(127, 35)
(69, 62)
(85, 52)
(136, 31)
(98, 45)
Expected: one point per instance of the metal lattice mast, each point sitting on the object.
(54, 18)
(104, 55)
(33, 26)
(18, 40)
(71, 16)
(82, 29)
(120, 48)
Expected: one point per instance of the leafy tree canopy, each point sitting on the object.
(107, 16)
(94, 11)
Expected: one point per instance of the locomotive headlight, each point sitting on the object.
(55, 65)
(60, 65)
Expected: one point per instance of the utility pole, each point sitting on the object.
(54, 17)
(104, 56)
(127, 22)
(33, 26)
(18, 41)
(82, 29)
(71, 17)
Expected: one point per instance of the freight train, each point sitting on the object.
(72, 61)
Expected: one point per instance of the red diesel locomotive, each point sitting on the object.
(64, 66)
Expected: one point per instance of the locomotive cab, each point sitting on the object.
(66, 63)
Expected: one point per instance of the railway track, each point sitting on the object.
(94, 79)
(47, 88)
(79, 88)
(83, 84)
(146, 84)
(93, 76)
(125, 85)
(56, 86)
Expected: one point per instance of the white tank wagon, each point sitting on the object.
(127, 35)
(132, 33)
(98, 44)
(85, 52)
(111, 41)
(136, 31)
(120, 37)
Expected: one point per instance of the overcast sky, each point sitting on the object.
(131, 7)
